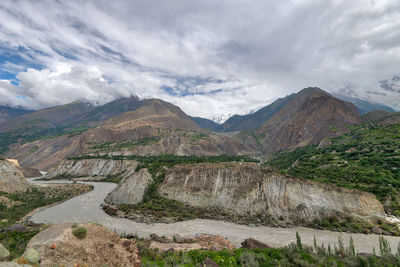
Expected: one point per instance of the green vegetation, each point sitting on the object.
(112, 178)
(16, 240)
(80, 232)
(113, 146)
(296, 254)
(367, 158)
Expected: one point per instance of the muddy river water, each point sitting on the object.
(86, 208)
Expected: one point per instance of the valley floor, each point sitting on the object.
(86, 208)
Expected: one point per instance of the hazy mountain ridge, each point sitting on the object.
(363, 106)
(154, 127)
(8, 113)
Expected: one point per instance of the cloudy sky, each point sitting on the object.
(211, 58)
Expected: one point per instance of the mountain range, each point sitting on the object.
(153, 127)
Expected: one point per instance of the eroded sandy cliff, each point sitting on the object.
(244, 188)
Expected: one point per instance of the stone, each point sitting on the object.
(209, 263)
(32, 255)
(4, 253)
(376, 230)
(13, 264)
(178, 239)
(16, 228)
(252, 243)
(154, 237)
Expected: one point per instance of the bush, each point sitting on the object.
(80, 232)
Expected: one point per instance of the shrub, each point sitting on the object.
(80, 232)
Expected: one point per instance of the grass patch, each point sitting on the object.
(295, 254)
(80, 232)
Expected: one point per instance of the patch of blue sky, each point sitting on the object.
(13, 61)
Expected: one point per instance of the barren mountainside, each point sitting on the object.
(308, 118)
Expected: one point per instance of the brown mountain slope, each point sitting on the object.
(308, 118)
(157, 127)
(381, 117)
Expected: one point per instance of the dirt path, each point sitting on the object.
(86, 208)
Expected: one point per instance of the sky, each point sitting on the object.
(211, 58)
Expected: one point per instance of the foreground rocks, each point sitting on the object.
(4, 253)
(58, 245)
(13, 264)
(243, 188)
(131, 189)
(251, 243)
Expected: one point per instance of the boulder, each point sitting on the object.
(252, 243)
(376, 230)
(178, 239)
(13, 264)
(32, 255)
(4, 253)
(209, 263)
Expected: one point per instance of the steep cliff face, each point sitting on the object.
(11, 178)
(92, 167)
(243, 188)
(131, 189)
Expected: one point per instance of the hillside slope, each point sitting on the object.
(7, 113)
(381, 117)
(72, 118)
(367, 158)
(310, 116)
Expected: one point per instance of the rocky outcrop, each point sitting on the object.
(57, 245)
(199, 241)
(11, 178)
(131, 189)
(251, 243)
(93, 167)
(243, 188)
